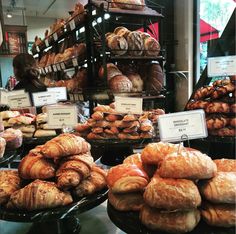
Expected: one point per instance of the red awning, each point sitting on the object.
(155, 30)
(207, 32)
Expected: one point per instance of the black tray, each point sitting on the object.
(129, 222)
(9, 156)
(47, 215)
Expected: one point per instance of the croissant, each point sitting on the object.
(225, 165)
(203, 92)
(73, 169)
(98, 115)
(39, 195)
(154, 153)
(9, 183)
(36, 167)
(64, 145)
(222, 91)
(95, 182)
(172, 194)
(126, 178)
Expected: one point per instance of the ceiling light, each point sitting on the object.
(9, 14)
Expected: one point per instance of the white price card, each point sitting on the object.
(55, 37)
(37, 49)
(43, 98)
(20, 100)
(59, 92)
(182, 126)
(46, 43)
(46, 69)
(72, 25)
(221, 66)
(63, 67)
(58, 67)
(54, 68)
(49, 69)
(75, 62)
(62, 116)
(129, 105)
(3, 97)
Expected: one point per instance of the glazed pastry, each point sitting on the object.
(216, 122)
(172, 222)
(200, 104)
(227, 131)
(135, 43)
(232, 122)
(188, 165)
(130, 130)
(203, 92)
(154, 153)
(95, 182)
(9, 183)
(221, 82)
(21, 119)
(101, 124)
(126, 178)
(146, 126)
(82, 127)
(103, 108)
(129, 117)
(35, 166)
(225, 165)
(97, 130)
(222, 91)
(221, 215)
(64, 145)
(97, 115)
(113, 117)
(217, 107)
(221, 188)
(38, 195)
(171, 194)
(122, 124)
(93, 136)
(126, 201)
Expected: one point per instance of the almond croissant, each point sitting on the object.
(64, 145)
(73, 169)
(39, 195)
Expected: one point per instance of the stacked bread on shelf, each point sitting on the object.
(106, 123)
(162, 182)
(134, 43)
(218, 102)
(53, 172)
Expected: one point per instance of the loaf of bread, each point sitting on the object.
(225, 165)
(135, 43)
(121, 31)
(137, 82)
(117, 44)
(129, 4)
(151, 47)
(120, 83)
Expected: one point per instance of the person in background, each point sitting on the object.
(11, 83)
(27, 74)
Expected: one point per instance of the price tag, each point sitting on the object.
(49, 69)
(63, 67)
(72, 25)
(181, 126)
(221, 66)
(129, 105)
(4, 97)
(40, 71)
(62, 116)
(59, 92)
(43, 98)
(46, 43)
(46, 69)
(54, 68)
(21, 100)
(75, 62)
(37, 49)
(58, 67)
(55, 37)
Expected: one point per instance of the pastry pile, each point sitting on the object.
(59, 171)
(218, 102)
(106, 123)
(164, 184)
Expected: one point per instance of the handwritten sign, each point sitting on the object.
(20, 100)
(43, 98)
(75, 62)
(129, 105)
(54, 68)
(63, 67)
(59, 92)
(72, 25)
(182, 126)
(58, 66)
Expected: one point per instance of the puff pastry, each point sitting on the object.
(172, 194)
(221, 188)
(225, 165)
(172, 222)
(188, 165)
(222, 215)
(126, 201)
(126, 178)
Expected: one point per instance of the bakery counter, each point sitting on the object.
(94, 220)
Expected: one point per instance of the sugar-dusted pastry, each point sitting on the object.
(170, 222)
(171, 194)
(126, 178)
(127, 201)
(221, 188)
(225, 165)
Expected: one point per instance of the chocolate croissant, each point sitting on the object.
(39, 195)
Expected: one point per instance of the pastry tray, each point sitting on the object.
(129, 222)
(9, 156)
(80, 206)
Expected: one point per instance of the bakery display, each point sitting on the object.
(225, 165)
(2, 146)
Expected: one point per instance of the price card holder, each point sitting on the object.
(75, 62)
(54, 68)
(72, 25)
(63, 67)
(43, 98)
(58, 66)
(182, 126)
(129, 105)
(221, 66)
(59, 92)
(46, 43)
(18, 101)
(62, 116)
(55, 37)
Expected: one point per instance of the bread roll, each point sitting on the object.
(127, 201)
(188, 165)
(121, 84)
(151, 47)
(173, 222)
(44, 133)
(121, 31)
(221, 215)
(137, 82)
(9, 114)
(135, 43)
(221, 188)
(172, 194)
(112, 70)
(126, 178)
(225, 165)
(117, 44)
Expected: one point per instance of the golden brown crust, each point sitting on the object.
(98, 115)
(173, 222)
(203, 92)
(225, 165)
(172, 194)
